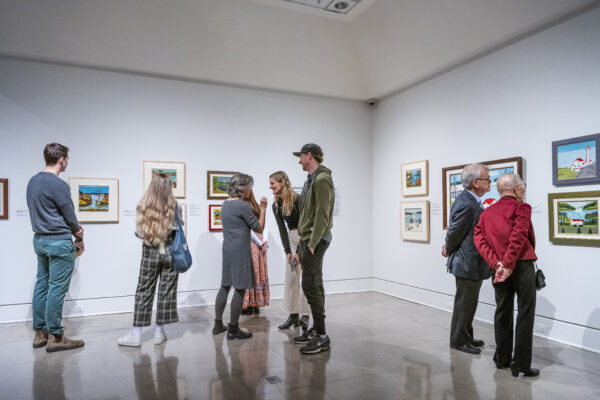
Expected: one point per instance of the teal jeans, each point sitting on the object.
(56, 260)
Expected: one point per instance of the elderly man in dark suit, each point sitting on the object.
(464, 261)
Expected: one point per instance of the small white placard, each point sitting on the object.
(436, 208)
(195, 210)
(22, 213)
(129, 213)
(536, 210)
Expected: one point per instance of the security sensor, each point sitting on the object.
(372, 102)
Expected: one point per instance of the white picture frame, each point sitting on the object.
(95, 199)
(415, 178)
(414, 221)
(174, 169)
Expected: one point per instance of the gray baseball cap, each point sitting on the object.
(312, 148)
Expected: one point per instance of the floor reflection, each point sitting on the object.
(148, 386)
(463, 383)
(48, 378)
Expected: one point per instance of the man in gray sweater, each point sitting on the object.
(54, 223)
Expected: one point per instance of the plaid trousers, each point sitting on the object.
(153, 266)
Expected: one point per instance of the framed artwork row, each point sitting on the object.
(414, 221)
(3, 198)
(415, 178)
(95, 199)
(173, 169)
(573, 218)
(452, 185)
(575, 161)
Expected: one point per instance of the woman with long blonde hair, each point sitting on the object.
(286, 210)
(156, 225)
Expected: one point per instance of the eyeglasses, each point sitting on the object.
(487, 179)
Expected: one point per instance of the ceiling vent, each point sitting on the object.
(335, 6)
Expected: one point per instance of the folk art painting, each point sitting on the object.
(574, 161)
(95, 199)
(573, 218)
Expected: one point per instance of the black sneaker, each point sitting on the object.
(317, 344)
(305, 337)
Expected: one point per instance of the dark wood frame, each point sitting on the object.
(580, 181)
(210, 228)
(568, 241)
(518, 160)
(208, 194)
(4, 214)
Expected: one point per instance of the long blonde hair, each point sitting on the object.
(156, 210)
(286, 197)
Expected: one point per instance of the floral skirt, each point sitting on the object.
(259, 295)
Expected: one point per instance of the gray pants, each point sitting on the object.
(465, 305)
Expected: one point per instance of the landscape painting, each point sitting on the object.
(414, 221)
(93, 198)
(173, 169)
(214, 218)
(573, 218)
(217, 184)
(415, 178)
(171, 173)
(4, 198)
(574, 161)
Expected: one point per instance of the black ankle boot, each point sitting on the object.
(219, 327)
(292, 320)
(531, 372)
(235, 332)
(256, 310)
(303, 322)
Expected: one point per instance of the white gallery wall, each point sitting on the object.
(112, 122)
(512, 103)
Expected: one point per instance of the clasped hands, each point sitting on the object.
(502, 273)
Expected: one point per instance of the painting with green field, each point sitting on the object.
(577, 218)
(220, 184)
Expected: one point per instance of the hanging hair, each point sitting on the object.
(253, 204)
(156, 210)
(284, 200)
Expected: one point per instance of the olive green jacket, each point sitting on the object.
(316, 212)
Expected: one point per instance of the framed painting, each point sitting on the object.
(214, 218)
(414, 220)
(452, 185)
(574, 161)
(173, 169)
(95, 199)
(3, 198)
(573, 218)
(217, 183)
(184, 217)
(415, 178)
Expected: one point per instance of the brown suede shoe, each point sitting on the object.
(60, 343)
(40, 339)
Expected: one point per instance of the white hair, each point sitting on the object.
(508, 182)
(470, 173)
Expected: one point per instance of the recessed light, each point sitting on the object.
(342, 5)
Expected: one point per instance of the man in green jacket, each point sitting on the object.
(314, 229)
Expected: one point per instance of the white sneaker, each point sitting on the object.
(160, 337)
(130, 340)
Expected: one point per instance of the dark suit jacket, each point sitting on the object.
(464, 260)
(505, 233)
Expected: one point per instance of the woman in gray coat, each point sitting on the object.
(237, 219)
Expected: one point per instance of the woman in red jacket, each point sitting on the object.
(504, 237)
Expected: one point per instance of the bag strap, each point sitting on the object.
(177, 219)
(535, 266)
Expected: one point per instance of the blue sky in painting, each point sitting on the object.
(94, 189)
(570, 152)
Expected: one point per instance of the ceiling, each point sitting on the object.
(378, 48)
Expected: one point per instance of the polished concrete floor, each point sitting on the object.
(382, 348)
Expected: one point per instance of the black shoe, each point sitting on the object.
(467, 348)
(477, 343)
(306, 336)
(316, 345)
(531, 372)
(292, 320)
(219, 327)
(501, 364)
(256, 310)
(235, 333)
(247, 311)
(303, 322)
